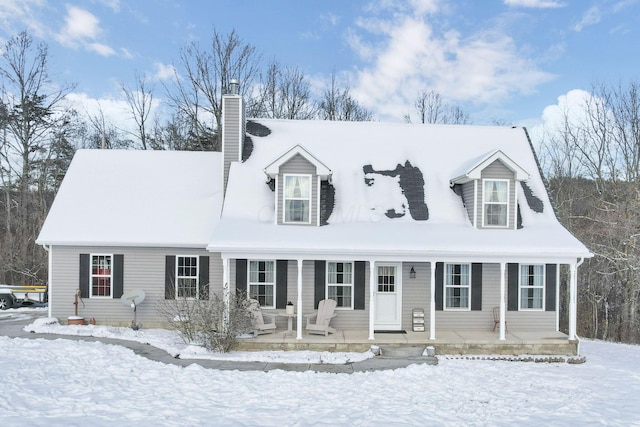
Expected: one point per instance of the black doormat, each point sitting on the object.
(390, 332)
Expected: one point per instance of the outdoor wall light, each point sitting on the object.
(412, 273)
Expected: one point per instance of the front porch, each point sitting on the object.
(447, 342)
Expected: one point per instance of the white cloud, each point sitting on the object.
(163, 71)
(591, 17)
(114, 110)
(17, 15)
(481, 68)
(538, 4)
(82, 29)
(112, 4)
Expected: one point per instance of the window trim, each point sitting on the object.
(197, 277)
(273, 284)
(445, 287)
(284, 197)
(347, 285)
(91, 276)
(485, 203)
(543, 287)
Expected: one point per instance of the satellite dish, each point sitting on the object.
(135, 297)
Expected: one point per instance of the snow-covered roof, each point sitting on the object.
(137, 198)
(365, 158)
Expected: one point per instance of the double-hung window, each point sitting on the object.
(101, 275)
(187, 276)
(495, 202)
(457, 286)
(297, 199)
(340, 283)
(531, 286)
(262, 282)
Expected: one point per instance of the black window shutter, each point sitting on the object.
(241, 278)
(550, 284)
(85, 269)
(118, 275)
(281, 283)
(358, 285)
(203, 277)
(439, 285)
(170, 277)
(476, 286)
(512, 286)
(319, 282)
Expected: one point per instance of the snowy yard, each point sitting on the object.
(69, 383)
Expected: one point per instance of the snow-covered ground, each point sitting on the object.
(76, 383)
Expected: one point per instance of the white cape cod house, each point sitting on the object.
(386, 219)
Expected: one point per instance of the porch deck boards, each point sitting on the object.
(446, 342)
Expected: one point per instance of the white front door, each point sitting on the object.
(388, 297)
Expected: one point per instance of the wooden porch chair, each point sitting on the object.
(318, 322)
(496, 319)
(258, 319)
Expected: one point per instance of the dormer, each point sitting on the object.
(488, 190)
(297, 177)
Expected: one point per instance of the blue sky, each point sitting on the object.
(506, 60)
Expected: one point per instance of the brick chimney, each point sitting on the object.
(233, 127)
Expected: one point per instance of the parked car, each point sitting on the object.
(7, 299)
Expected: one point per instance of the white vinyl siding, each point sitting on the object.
(340, 284)
(457, 287)
(532, 287)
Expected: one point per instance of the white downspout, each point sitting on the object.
(299, 302)
(557, 297)
(372, 297)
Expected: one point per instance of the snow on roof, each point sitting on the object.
(136, 198)
(358, 223)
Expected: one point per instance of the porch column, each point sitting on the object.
(226, 294)
(573, 287)
(503, 268)
(557, 297)
(49, 277)
(299, 302)
(432, 301)
(372, 304)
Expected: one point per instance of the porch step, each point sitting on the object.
(401, 351)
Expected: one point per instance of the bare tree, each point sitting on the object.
(140, 103)
(338, 104)
(32, 115)
(204, 76)
(431, 108)
(284, 94)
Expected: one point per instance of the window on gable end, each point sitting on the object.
(495, 202)
(297, 199)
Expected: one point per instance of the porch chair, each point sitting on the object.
(258, 319)
(496, 319)
(318, 322)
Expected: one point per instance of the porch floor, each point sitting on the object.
(446, 342)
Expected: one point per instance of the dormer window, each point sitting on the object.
(297, 199)
(495, 202)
